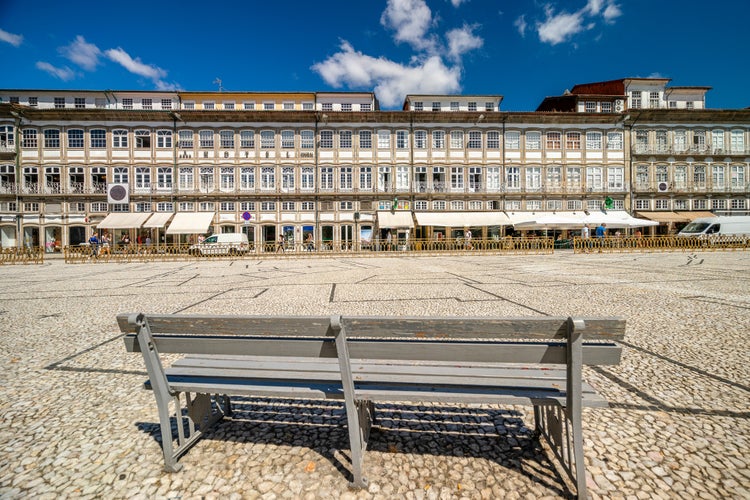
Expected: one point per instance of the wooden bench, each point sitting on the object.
(363, 360)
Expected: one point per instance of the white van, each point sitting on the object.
(222, 244)
(725, 225)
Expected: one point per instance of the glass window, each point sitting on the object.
(346, 178)
(493, 139)
(438, 139)
(287, 178)
(512, 140)
(457, 139)
(226, 139)
(29, 139)
(420, 139)
(475, 140)
(267, 178)
(614, 141)
(185, 139)
(513, 178)
(287, 139)
(717, 140)
(402, 139)
(384, 139)
(52, 138)
(533, 141)
(164, 139)
(206, 138)
(737, 141)
(98, 138)
(307, 139)
(326, 139)
(680, 141)
(365, 178)
(554, 140)
(573, 140)
(247, 139)
(247, 178)
(365, 139)
(593, 140)
(661, 141)
(75, 138)
(436, 106)
(454, 105)
(267, 139)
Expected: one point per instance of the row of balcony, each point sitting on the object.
(644, 149)
(54, 188)
(167, 188)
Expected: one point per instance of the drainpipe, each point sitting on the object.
(502, 173)
(17, 134)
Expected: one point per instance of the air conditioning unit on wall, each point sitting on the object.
(618, 105)
(118, 193)
(662, 187)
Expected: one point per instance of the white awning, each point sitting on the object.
(394, 219)
(576, 220)
(124, 220)
(158, 219)
(462, 219)
(190, 223)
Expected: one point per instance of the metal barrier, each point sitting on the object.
(623, 244)
(141, 253)
(24, 255)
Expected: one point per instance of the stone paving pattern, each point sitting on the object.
(76, 422)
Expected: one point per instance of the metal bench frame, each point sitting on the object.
(367, 359)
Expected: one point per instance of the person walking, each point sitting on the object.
(94, 242)
(586, 236)
(280, 244)
(601, 232)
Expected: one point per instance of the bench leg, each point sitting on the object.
(561, 429)
(202, 413)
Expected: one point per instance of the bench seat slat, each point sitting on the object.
(381, 392)
(607, 328)
(279, 366)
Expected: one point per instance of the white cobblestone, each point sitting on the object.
(77, 423)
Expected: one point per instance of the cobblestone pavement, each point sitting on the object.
(76, 422)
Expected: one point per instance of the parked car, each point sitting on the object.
(222, 244)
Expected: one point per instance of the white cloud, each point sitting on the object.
(560, 27)
(14, 40)
(65, 74)
(82, 53)
(521, 25)
(593, 7)
(153, 73)
(462, 40)
(391, 81)
(457, 3)
(611, 12)
(411, 20)
(121, 57)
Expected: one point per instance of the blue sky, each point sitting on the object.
(523, 50)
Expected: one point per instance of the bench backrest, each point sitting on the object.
(459, 339)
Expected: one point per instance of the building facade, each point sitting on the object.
(333, 167)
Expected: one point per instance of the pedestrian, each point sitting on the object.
(94, 242)
(601, 232)
(280, 244)
(585, 236)
(388, 240)
(310, 242)
(467, 238)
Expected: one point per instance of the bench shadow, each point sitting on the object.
(497, 435)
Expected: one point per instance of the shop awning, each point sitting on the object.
(190, 223)
(691, 216)
(158, 219)
(394, 219)
(462, 219)
(124, 220)
(576, 220)
(665, 217)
